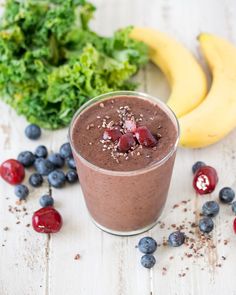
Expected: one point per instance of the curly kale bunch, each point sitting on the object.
(51, 62)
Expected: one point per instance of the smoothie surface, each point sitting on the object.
(89, 127)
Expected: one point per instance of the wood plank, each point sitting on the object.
(202, 275)
(23, 256)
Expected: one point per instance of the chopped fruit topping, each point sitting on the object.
(126, 141)
(130, 125)
(226, 195)
(147, 245)
(112, 134)
(12, 171)
(197, 165)
(47, 220)
(210, 209)
(205, 180)
(145, 137)
(235, 225)
(176, 239)
(206, 225)
(148, 261)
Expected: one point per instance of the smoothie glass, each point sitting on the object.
(125, 202)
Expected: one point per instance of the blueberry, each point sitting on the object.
(148, 260)
(41, 151)
(43, 166)
(26, 158)
(197, 165)
(65, 150)
(210, 209)
(33, 131)
(206, 225)
(226, 195)
(36, 179)
(147, 245)
(57, 178)
(72, 176)
(70, 162)
(234, 207)
(46, 201)
(21, 191)
(176, 239)
(57, 160)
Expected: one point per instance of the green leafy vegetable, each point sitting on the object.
(51, 62)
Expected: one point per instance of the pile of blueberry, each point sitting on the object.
(204, 182)
(148, 246)
(46, 166)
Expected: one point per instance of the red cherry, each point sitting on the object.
(12, 171)
(112, 134)
(235, 225)
(145, 137)
(126, 141)
(47, 220)
(130, 125)
(205, 180)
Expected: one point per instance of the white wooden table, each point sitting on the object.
(35, 264)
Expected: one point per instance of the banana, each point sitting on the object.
(186, 77)
(215, 117)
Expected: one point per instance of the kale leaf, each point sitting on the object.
(51, 62)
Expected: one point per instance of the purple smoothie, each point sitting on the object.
(125, 192)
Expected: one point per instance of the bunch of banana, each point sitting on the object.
(204, 119)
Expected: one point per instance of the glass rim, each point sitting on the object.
(114, 94)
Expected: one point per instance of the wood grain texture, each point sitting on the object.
(108, 264)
